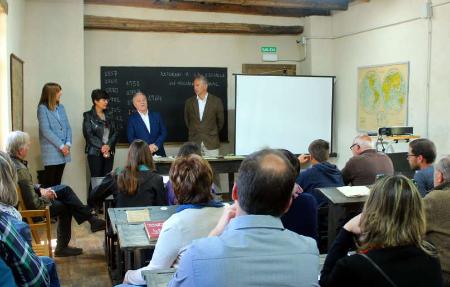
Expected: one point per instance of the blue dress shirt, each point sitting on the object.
(253, 250)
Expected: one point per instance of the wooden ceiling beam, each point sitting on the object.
(298, 4)
(126, 24)
(208, 7)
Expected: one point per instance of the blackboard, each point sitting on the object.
(166, 88)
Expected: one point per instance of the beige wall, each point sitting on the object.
(178, 49)
(56, 48)
(12, 26)
(54, 52)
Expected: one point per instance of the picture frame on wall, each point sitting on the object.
(16, 92)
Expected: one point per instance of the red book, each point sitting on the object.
(153, 228)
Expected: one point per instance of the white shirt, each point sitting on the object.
(146, 120)
(177, 232)
(201, 105)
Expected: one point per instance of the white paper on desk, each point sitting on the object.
(210, 157)
(138, 215)
(354, 191)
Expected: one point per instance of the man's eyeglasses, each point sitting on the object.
(410, 155)
(353, 146)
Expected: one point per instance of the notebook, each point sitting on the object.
(354, 191)
(138, 215)
(153, 228)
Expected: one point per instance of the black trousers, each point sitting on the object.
(52, 175)
(65, 206)
(100, 166)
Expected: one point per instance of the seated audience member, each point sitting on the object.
(302, 215)
(147, 126)
(321, 173)
(249, 246)
(366, 163)
(15, 250)
(391, 249)
(137, 184)
(62, 200)
(185, 150)
(437, 210)
(421, 155)
(196, 215)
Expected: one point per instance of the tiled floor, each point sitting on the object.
(88, 269)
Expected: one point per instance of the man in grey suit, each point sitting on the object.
(204, 117)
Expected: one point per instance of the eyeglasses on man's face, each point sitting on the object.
(410, 155)
(353, 145)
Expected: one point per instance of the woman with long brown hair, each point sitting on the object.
(134, 185)
(391, 248)
(196, 215)
(55, 134)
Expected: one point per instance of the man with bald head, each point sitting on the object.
(366, 163)
(249, 246)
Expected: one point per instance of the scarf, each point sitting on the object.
(211, 203)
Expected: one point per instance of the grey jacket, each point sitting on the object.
(54, 133)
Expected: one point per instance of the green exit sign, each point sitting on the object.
(269, 49)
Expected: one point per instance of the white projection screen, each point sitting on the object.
(282, 112)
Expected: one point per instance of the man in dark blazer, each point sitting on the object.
(147, 126)
(204, 117)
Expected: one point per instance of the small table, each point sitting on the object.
(132, 236)
(339, 207)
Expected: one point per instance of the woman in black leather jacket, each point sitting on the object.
(100, 134)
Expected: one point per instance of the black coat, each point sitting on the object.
(93, 128)
(150, 191)
(404, 265)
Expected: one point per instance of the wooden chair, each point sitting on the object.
(40, 247)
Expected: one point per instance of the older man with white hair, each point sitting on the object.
(62, 200)
(366, 163)
(147, 126)
(437, 208)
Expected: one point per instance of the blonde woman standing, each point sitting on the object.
(55, 134)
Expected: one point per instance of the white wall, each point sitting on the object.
(54, 52)
(181, 49)
(440, 79)
(353, 47)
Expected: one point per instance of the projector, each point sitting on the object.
(395, 131)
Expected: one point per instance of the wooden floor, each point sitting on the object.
(88, 269)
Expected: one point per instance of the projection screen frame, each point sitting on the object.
(332, 153)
